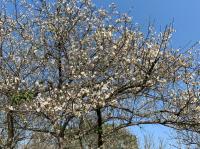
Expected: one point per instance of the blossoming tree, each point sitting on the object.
(68, 69)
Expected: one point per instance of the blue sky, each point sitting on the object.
(185, 15)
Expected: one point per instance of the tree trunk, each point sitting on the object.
(99, 128)
(10, 130)
(60, 143)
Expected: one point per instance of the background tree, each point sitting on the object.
(190, 139)
(149, 142)
(66, 64)
(120, 139)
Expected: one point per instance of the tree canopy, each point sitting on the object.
(69, 69)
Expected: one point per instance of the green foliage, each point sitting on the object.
(21, 97)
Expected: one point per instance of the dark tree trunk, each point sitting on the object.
(60, 75)
(99, 128)
(10, 130)
(60, 82)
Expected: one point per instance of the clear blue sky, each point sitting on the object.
(185, 15)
